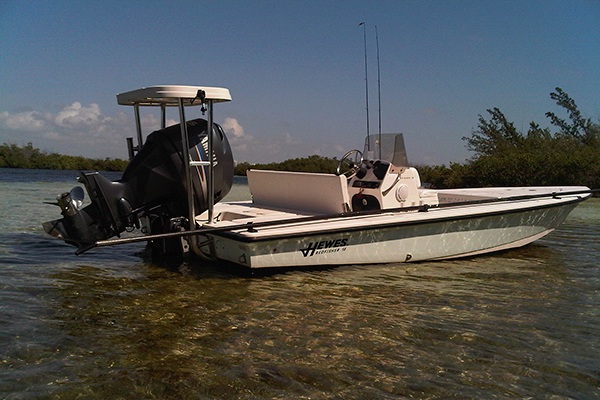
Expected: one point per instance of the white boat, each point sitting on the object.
(375, 212)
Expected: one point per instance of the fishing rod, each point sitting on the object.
(367, 87)
(378, 87)
(366, 82)
(251, 226)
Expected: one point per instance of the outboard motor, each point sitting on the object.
(152, 186)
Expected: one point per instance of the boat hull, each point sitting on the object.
(405, 237)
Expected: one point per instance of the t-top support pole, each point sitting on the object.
(138, 125)
(185, 142)
(211, 163)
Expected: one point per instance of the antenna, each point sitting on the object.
(366, 83)
(378, 88)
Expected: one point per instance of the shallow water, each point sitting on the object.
(109, 324)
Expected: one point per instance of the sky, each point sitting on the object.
(295, 70)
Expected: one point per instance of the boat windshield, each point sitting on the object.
(392, 148)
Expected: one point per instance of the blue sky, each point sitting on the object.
(295, 70)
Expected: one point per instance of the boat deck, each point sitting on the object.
(277, 222)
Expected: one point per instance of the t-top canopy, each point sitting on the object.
(169, 95)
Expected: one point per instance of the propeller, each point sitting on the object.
(70, 202)
(77, 195)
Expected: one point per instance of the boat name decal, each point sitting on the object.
(325, 246)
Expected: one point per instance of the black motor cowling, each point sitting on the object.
(152, 185)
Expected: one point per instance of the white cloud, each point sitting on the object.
(25, 121)
(75, 130)
(83, 130)
(51, 135)
(232, 127)
(76, 115)
(289, 139)
(151, 123)
(340, 149)
(240, 148)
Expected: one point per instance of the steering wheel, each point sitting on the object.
(348, 164)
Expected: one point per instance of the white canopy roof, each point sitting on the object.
(169, 95)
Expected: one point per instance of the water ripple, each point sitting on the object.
(109, 324)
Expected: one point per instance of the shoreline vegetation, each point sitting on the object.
(503, 156)
(14, 156)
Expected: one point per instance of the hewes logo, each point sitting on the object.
(325, 246)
